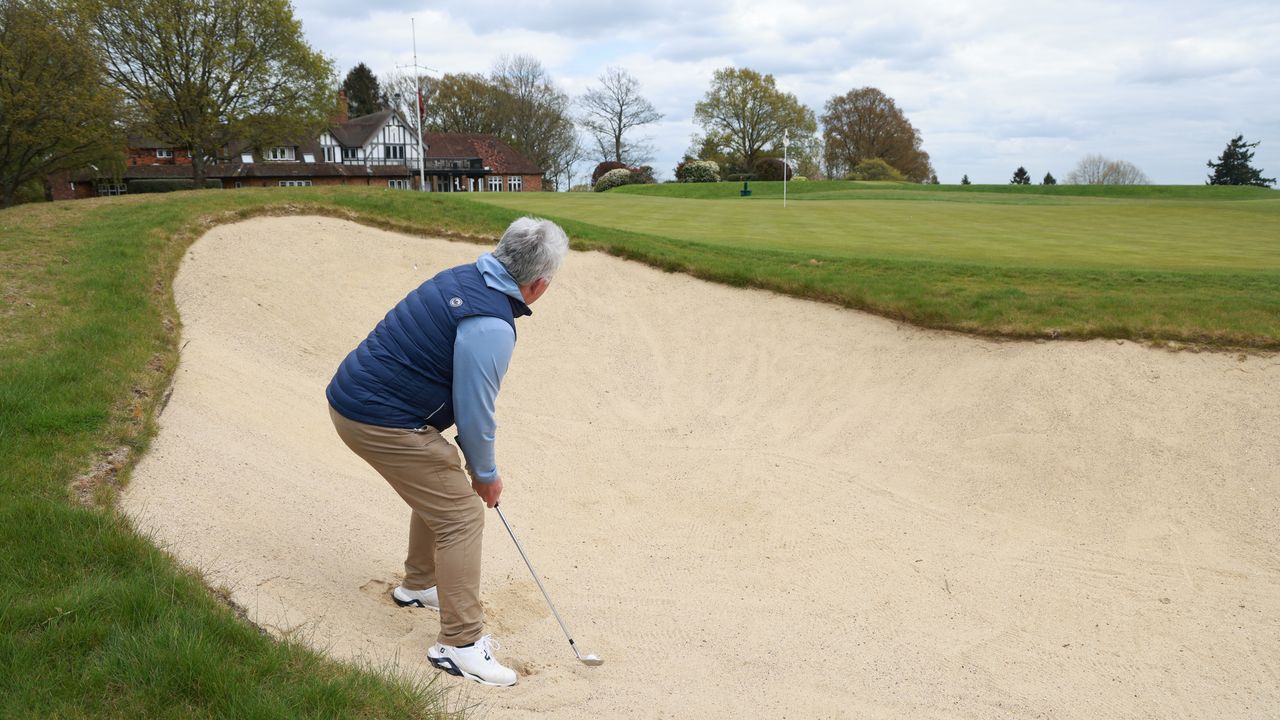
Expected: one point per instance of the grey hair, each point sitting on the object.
(532, 248)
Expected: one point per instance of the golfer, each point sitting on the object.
(435, 360)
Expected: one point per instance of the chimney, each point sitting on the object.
(344, 109)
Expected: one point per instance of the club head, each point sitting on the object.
(592, 660)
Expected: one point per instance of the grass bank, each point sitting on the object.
(96, 622)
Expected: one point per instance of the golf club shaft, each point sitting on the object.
(534, 573)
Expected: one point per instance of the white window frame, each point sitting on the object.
(295, 183)
(328, 154)
(495, 183)
(392, 152)
(280, 152)
(515, 183)
(398, 184)
(350, 153)
(110, 189)
(164, 153)
(308, 158)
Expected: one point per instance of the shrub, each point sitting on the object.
(875, 169)
(603, 168)
(698, 171)
(169, 185)
(799, 178)
(642, 175)
(580, 188)
(612, 179)
(771, 168)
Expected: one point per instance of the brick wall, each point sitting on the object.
(147, 156)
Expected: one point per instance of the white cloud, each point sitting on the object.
(991, 84)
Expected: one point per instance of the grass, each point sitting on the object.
(97, 622)
(1185, 264)
(94, 620)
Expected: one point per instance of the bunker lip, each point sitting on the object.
(756, 486)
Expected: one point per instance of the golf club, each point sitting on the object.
(592, 660)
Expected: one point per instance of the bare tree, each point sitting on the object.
(613, 108)
(1098, 170)
(534, 113)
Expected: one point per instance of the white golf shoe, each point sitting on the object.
(473, 662)
(428, 598)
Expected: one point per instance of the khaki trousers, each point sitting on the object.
(447, 523)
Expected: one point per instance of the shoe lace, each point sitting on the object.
(490, 645)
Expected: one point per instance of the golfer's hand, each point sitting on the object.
(488, 492)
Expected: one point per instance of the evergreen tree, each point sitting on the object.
(1049, 179)
(933, 179)
(965, 180)
(363, 94)
(1233, 166)
(1021, 177)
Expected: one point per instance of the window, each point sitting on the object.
(495, 183)
(164, 153)
(514, 182)
(328, 154)
(105, 189)
(246, 157)
(393, 152)
(237, 183)
(295, 183)
(308, 157)
(280, 153)
(398, 184)
(350, 153)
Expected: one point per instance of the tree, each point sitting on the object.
(745, 113)
(1098, 170)
(1233, 166)
(965, 180)
(1021, 177)
(56, 113)
(865, 123)
(201, 73)
(455, 103)
(534, 113)
(364, 96)
(1049, 179)
(711, 146)
(613, 108)
(933, 179)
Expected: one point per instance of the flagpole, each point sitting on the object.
(417, 108)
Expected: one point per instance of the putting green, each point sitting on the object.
(993, 229)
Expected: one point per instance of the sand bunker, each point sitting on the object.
(749, 505)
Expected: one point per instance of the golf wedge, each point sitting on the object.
(589, 659)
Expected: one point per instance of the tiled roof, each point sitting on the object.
(498, 156)
(357, 131)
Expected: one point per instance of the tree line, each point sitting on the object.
(77, 76)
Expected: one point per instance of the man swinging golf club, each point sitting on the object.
(436, 359)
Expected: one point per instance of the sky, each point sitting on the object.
(990, 86)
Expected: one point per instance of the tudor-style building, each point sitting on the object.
(377, 150)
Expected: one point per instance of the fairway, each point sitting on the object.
(1193, 232)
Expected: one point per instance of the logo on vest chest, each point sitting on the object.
(455, 302)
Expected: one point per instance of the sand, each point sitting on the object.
(749, 505)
